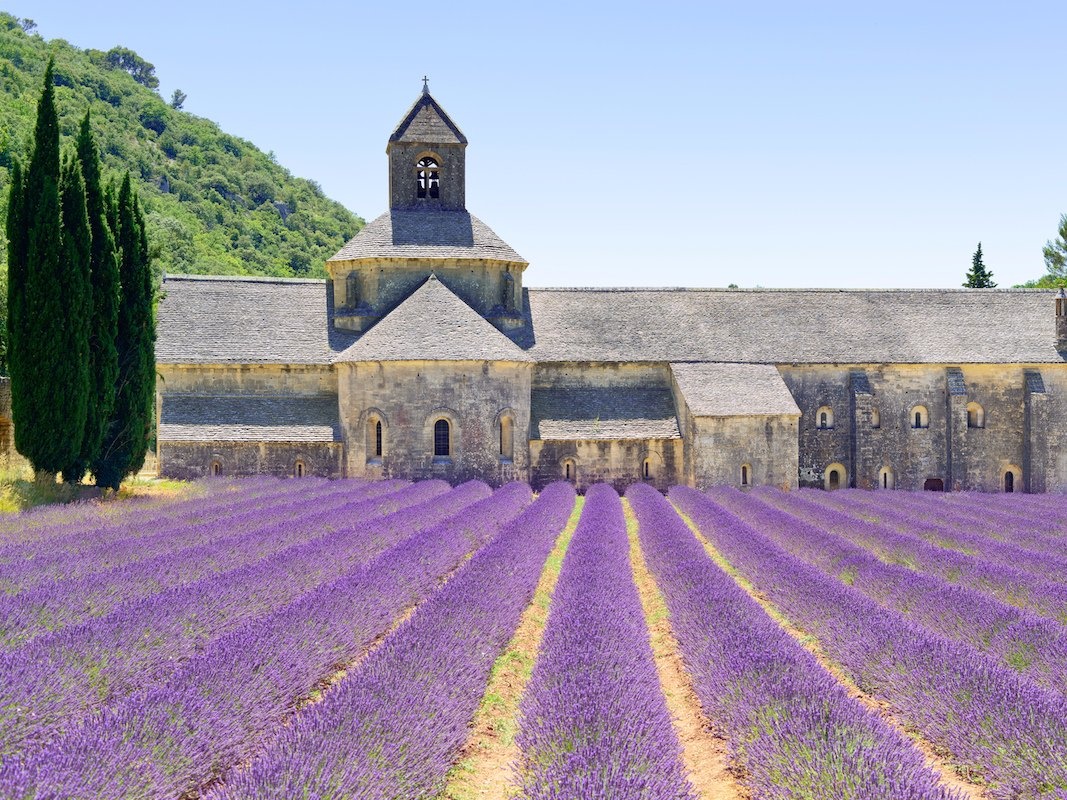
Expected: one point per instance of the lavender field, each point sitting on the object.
(344, 639)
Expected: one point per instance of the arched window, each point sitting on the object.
(933, 485)
(885, 478)
(507, 437)
(646, 469)
(920, 417)
(1012, 479)
(352, 290)
(975, 416)
(215, 469)
(746, 475)
(428, 177)
(299, 468)
(876, 418)
(834, 476)
(570, 470)
(442, 439)
(824, 418)
(375, 438)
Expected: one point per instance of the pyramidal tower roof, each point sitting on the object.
(433, 324)
(427, 122)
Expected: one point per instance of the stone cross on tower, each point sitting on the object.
(425, 85)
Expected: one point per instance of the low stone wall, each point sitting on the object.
(192, 460)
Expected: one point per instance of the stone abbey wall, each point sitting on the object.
(873, 429)
(409, 397)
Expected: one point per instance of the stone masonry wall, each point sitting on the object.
(615, 461)
(408, 397)
(192, 460)
(963, 457)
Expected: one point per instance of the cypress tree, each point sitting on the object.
(979, 277)
(126, 441)
(71, 283)
(104, 280)
(35, 358)
(16, 258)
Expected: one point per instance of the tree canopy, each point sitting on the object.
(213, 203)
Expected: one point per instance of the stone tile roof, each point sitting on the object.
(215, 320)
(582, 413)
(726, 390)
(433, 324)
(427, 233)
(806, 326)
(247, 418)
(427, 122)
(265, 320)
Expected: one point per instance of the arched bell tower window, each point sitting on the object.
(975, 416)
(428, 178)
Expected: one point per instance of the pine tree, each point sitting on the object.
(104, 280)
(72, 285)
(37, 363)
(126, 441)
(979, 277)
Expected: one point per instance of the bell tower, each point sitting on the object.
(427, 159)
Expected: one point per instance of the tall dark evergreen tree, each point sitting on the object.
(104, 280)
(126, 441)
(40, 366)
(71, 282)
(16, 259)
(979, 277)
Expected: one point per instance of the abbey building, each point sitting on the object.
(424, 355)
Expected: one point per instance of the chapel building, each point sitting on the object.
(424, 355)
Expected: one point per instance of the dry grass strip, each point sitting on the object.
(939, 763)
(487, 759)
(703, 753)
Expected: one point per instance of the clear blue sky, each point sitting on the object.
(671, 144)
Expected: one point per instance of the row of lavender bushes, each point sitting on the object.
(593, 721)
(789, 723)
(218, 709)
(891, 539)
(1015, 638)
(55, 680)
(999, 727)
(125, 542)
(53, 606)
(393, 727)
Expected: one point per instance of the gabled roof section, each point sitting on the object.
(427, 233)
(427, 122)
(433, 324)
(734, 390)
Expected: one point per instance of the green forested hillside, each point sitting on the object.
(215, 204)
